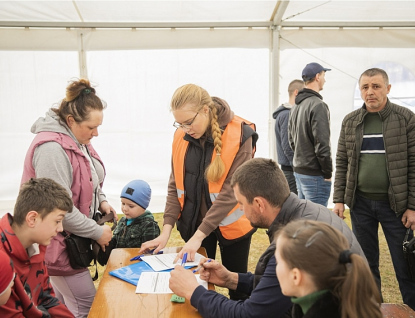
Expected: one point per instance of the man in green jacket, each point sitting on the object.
(375, 175)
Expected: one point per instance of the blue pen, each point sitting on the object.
(139, 256)
(200, 267)
(184, 259)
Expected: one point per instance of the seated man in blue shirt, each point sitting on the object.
(263, 194)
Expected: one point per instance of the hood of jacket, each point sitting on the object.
(52, 123)
(285, 106)
(225, 114)
(306, 93)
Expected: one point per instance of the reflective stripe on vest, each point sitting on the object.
(235, 224)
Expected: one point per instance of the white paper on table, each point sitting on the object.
(158, 283)
(161, 262)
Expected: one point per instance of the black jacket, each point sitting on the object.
(309, 135)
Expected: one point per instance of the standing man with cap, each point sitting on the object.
(309, 136)
(284, 152)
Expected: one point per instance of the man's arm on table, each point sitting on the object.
(266, 299)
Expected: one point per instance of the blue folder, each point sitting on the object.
(132, 273)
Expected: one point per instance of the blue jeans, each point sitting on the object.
(313, 188)
(366, 216)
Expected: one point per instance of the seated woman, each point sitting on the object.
(316, 268)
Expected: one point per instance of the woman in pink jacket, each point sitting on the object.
(62, 151)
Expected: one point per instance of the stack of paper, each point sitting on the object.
(153, 264)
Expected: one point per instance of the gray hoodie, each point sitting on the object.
(51, 161)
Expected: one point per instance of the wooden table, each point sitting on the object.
(397, 311)
(117, 298)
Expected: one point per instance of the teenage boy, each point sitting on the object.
(38, 213)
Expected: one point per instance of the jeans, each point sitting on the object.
(366, 216)
(234, 258)
(313, 188)
(289, 175)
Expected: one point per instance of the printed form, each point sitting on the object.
(158, 283)
(162, 262)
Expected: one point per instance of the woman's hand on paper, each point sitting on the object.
(182, 282)
(191, 247)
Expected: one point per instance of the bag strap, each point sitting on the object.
(109, 217)
(408, 231)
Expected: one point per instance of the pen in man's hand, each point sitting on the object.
(184, 259)
(200, 267)
(139, 256)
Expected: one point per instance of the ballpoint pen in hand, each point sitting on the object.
(200, 267)
(138, 257)
(184, 259)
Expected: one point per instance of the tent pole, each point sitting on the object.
(274, 88)
(83, 71)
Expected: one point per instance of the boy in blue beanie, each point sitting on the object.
(138, 224)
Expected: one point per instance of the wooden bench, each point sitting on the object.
(397, 311)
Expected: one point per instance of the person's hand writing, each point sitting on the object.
(191, 247)
(182, 282)
(216, 273)
(339, 210)
(408, 219)
(105, 237)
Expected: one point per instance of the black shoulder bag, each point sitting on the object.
(80, 249)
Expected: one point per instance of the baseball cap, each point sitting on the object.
(311, 70)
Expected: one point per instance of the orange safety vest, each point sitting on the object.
(235, 224)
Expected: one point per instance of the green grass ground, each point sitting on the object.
(260, 242)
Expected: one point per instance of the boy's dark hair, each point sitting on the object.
(42, 195)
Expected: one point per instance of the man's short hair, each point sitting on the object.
(42, 195)
(295, 84)
(376, 71)
(260, 177)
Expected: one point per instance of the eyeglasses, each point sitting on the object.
(185, 126)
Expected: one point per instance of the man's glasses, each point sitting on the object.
(185, 126)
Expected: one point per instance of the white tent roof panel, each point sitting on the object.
(205, 12)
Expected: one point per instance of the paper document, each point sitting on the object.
(158, 283)
(162, 262)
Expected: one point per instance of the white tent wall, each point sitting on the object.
(136, 135)
(137, 71)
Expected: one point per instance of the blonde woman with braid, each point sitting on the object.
(324, 278)
(210, 142)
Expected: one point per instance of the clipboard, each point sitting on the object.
(132, 273)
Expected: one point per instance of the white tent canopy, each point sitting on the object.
(138, 52)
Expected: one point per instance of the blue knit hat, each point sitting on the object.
(137, 191)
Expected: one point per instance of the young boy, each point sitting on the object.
(40, 208)
(6, 277)
(138, 224)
